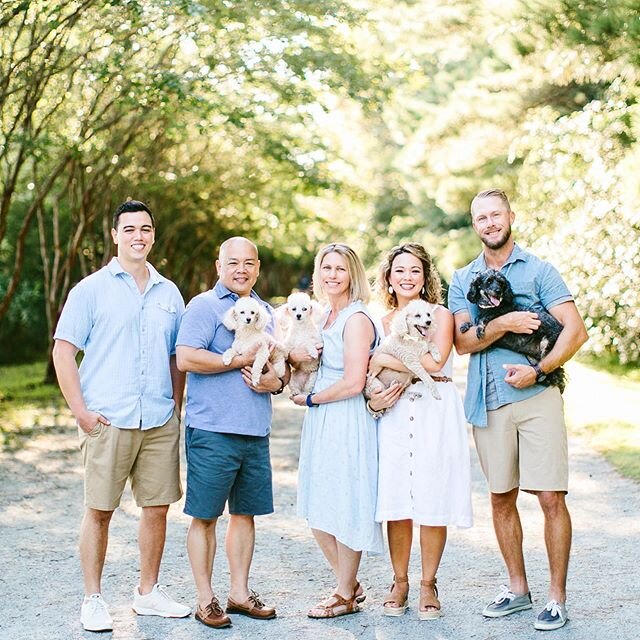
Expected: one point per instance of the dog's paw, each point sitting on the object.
(227, 357)
(435, 353)
(465, 326)
(435, 393)
(480, 331)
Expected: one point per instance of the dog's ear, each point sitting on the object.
(473, 295)
(263, 318)
(399, 323)
(283, 316)
(507, 296)
(230, 319)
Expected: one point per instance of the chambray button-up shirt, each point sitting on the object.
(536, 285)
(127, 338)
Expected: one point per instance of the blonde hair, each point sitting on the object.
(432, 289)
(359, 288)
(490, 193)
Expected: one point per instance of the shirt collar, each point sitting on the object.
(115, 268)
(479, 264)
(222, 292)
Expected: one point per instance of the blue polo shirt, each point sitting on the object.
(537, 285)
(220, 402)
(127, 338)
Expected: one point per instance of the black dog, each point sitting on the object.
(493, 294)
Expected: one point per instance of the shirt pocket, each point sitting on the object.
(163, 317)
(525, 295)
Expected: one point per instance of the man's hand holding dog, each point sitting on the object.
(519, 375)
(269, 381)
(518, 322)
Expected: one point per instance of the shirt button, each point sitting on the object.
(411, 435)
(410, 473)
(411, 454)
(411, 418)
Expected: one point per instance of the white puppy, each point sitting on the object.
(411, 337)
(302, 333)
(248, 318)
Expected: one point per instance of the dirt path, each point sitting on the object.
(40, 585)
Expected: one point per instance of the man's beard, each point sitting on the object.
(500, 242)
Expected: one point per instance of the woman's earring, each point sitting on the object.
(423, 291)
(390, 289)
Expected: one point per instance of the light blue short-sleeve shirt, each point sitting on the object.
(127, 338)
(220, 402)
(537, 285)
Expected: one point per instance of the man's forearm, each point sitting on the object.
(469, 342)
(177, 382)
(190, 359)
(69, 378)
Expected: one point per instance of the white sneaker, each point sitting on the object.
(94, 614)
(158, 603)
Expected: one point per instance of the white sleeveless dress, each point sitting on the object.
(423, 466)
(338, 467)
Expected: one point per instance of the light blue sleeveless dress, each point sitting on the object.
(338, 468)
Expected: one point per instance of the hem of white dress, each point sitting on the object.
(425, 520)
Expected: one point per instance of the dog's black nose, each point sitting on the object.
(298, 315)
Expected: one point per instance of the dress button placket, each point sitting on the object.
(411, 457)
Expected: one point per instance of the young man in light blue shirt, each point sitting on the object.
(518, 424)
(126, 397)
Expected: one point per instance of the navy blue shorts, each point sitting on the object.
(227, 466)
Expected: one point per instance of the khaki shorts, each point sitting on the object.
(525, 445)
(151, 458)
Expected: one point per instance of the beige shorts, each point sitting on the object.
(525, 445)
(151, 458)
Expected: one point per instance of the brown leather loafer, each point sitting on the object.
(253, 607)
(212, 615)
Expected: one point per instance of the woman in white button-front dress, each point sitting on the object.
(424, 475)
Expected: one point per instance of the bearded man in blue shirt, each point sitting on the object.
(518, 424)
(126, 398)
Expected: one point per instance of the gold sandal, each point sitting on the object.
(393, 605)
(429, 607)
(340, 607)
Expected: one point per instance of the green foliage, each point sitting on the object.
(308, 121)
(619, 442)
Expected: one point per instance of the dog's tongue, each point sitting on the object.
(494, 301)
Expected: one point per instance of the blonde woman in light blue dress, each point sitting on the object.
(338, 468)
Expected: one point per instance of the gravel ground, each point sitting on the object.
(40, 582)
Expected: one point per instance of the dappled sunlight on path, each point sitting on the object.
(41, 498)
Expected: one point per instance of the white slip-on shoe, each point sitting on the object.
(158, 602)
(94, 614)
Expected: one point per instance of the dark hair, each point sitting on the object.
(128, 207)
(432, 289)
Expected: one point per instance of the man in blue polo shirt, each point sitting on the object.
(228, 423)
(518, 424)
(126, 398)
